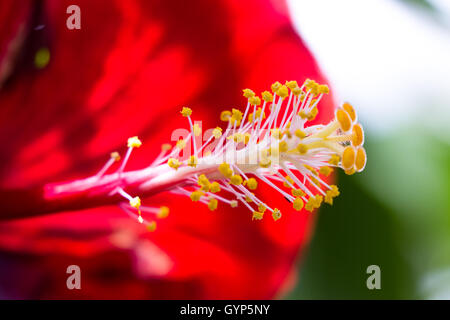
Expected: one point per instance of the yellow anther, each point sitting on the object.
(276, 214)
(314, 171)
(215, 187)
(312, 115)
(257, 215)
(310, 205)
(251, 183)
(358, 135)
(324, 89)
(348, 158)
(135, 202)
(325, 170)
(262, 208)
(248, 93)
(276, 133)
(225, 169)
(302, 148)
(283, 146)
(297, 193)
(236, 114)
(257, 115)
(166, 147)
(197, 130)
(344, 119)
(192, 161)
(181, 144)
(275, 86)
(217, 132)
(334, 160)
(196, 195)
(254, 101)
(115, 156)
(174, 163)
(265, 162)
(318, 201)
(350, 110)
(296, 91)
(361, 159)
(300, 134)
(204, 183)
(331, 194)
(298, 204)
(233, 203)
(238, 137)
(151, 226)
(289, 179)
(186, 112)
(212, 204)
(291, 84)
(163, 212)
(236, 180)
(134, 142)
(225, 115)
(267, 96)
(283, 92)
(247, 137)
(303, 114)
(248, 199)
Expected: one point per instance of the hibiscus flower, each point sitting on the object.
(68, 98)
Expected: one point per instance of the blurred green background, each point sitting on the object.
(396, 214)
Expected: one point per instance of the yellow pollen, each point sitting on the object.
(254, 101)
(135, 202)
(225, 115)
(312, 115)
(192, 162)
(115, 156)
(276, 133)
(163, 212)
(302, 148)
(225, 169)
(265, 162)
(186, 112)
(262, 208)
(289, 179)
(324, 89)
(236, 180)
(251, 183)
(151, 226)
(212, 204)
(173, 163)
(325, 170)
(283, 146)
(334, 160)
(248, 93)
(166, 147)
(291, 84)
(297, 91)
(217, 132)
(134, 142)
(215, 187)
(248, 199)
(267, 96)
(297, 193)
(298, 204)
(275, 86)
(276, 214)
(257, 215)
(196, 195)
(300, 134)
(283, 92)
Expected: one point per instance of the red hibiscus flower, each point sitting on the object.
(70, 97)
